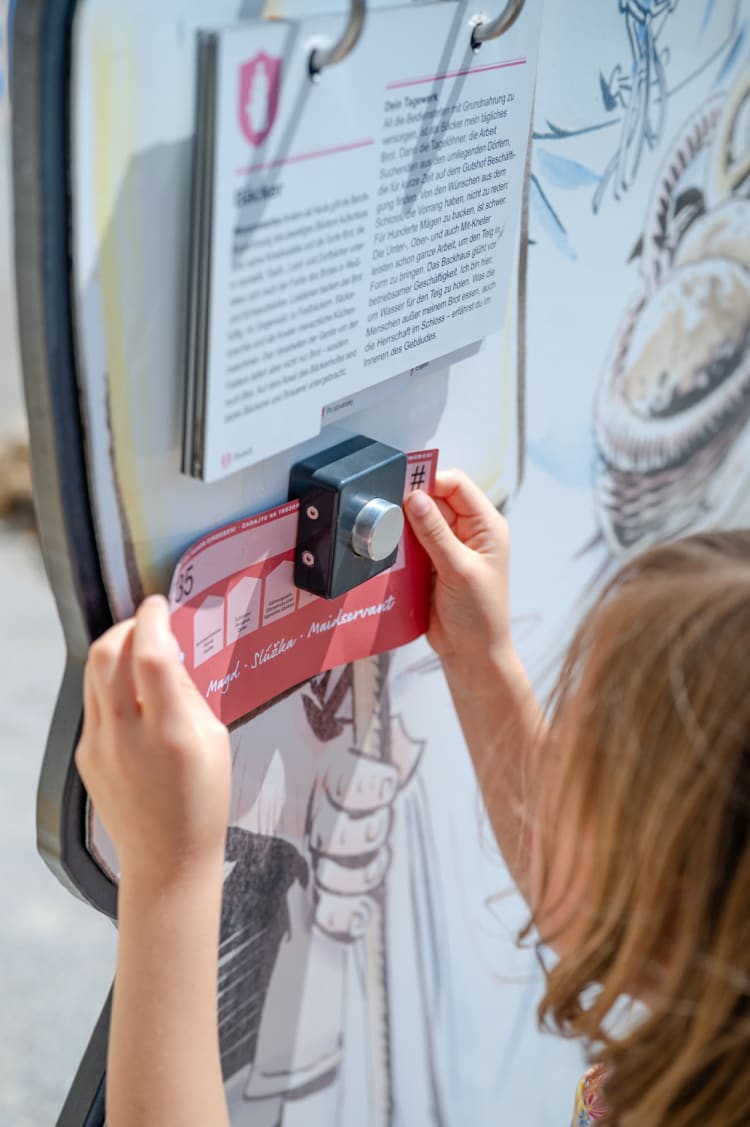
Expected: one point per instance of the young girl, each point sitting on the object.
(624, 819)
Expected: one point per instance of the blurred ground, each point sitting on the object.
(56, 955)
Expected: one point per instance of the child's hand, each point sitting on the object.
(152, 755)
(467, 541)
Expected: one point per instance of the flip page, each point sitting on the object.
(348, 230)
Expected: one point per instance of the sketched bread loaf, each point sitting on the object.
(678, 395)
(723, 233)
(670, 412)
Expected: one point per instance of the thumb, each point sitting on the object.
(433, 532)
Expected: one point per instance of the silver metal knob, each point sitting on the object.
(378, 528)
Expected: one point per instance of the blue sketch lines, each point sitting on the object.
(633, 90)
(640, 91)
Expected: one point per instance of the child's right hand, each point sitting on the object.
(468, 542)
(152, 755)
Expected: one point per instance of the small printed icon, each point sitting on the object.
(226, 461)
(259, 88)
(419, 476)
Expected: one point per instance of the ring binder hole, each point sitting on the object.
(476, 44)
(323, 57)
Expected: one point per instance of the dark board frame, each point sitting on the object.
(41, 72)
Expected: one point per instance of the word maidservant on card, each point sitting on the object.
(349, 230)
(248, 634)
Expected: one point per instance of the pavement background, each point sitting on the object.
(56, 954)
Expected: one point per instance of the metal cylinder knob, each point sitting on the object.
(378, 528)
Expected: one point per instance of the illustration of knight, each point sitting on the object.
(303, 941)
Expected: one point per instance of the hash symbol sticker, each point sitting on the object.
(419, 476)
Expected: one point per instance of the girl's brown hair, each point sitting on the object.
(650, 725)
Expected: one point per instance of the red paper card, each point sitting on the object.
(248, 634)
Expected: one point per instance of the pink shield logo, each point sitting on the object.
(259, 88)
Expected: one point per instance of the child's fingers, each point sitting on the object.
(449, 514)
(476, 523)
(91, 712)
(110, 686)
(463, 495)
(160, 678)
(433, 532)
(123, 690)
(89, 733)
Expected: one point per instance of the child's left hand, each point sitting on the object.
(152, 755)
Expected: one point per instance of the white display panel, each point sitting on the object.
(349, 230)
(428, 1015)
(131, 206)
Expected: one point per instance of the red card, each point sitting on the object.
(247, 633)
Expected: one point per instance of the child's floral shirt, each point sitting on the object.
(590, 1108)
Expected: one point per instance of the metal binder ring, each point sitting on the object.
(495, 28)
(323, 57)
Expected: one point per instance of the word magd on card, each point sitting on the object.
(248, 634)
